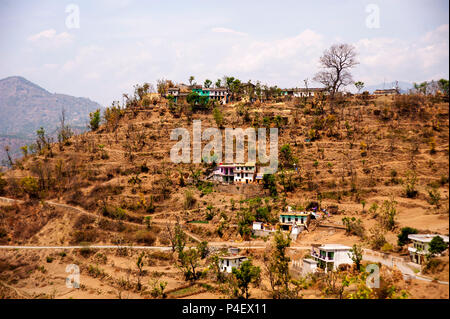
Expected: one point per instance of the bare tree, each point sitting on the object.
(336, 63)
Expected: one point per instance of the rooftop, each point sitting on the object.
(426, 238)
(334, 247)
(232, 257)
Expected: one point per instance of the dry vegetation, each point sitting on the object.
(383, 161)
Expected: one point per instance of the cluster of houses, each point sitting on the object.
(322, 258)
(222, 95)
(329, 257)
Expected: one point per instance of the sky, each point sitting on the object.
(100, 48)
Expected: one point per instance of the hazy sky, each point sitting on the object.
(120, 43)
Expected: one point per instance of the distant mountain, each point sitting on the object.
(404, 86)
(25, 107)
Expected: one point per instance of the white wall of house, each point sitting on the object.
(257, 225)
(226, 265)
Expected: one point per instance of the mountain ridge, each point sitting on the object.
(26, 106)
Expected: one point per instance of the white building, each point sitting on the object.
(294, 222)
(331, 256)
(227, 263)
(245, 173)
(303, 92)
(421, 246)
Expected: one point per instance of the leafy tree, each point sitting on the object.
(245, 219)
(214, 266)
(191, 79)
(286, 156)
(356, 254)
(444, 86)
(140, 265)
(277, 269)
(208, 83)
(189, 260)
(30, 186)
(202, 248)
(403, 236)
(389, 212)
(244, 276)
(94, 122)
(218, 83)
(218, 116)
(437, 245)
(180, 239)
(269, 183)
(359, 85)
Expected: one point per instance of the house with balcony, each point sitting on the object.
(224, 173)
(239, 173)
(245, 173)
(331, 256)
(294, 222)
(421, 244)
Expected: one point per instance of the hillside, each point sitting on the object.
(25, 107)
(98, 187)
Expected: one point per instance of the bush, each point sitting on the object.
(30, 186)
(387, 248)
(2, 185)
(377, 239)
(94, 122)
(83, 236)
(189, 200)
(434, 196)
(403, 236)
(353, 226)
(410, 188)
(145, 237)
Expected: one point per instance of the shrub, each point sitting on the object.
(30, 186)
(403, 236)
(410, 188)
(353, 226)
(388, 213)
(387, 248)
(218, 116)
(2, 184)
(189, 200)
(94, 122)
(377, 239)
(83, 236)
(146, 237)
(434, 196)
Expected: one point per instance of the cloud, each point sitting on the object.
(285, 60)
(51, 38)
(229, 31)
(398, 59)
